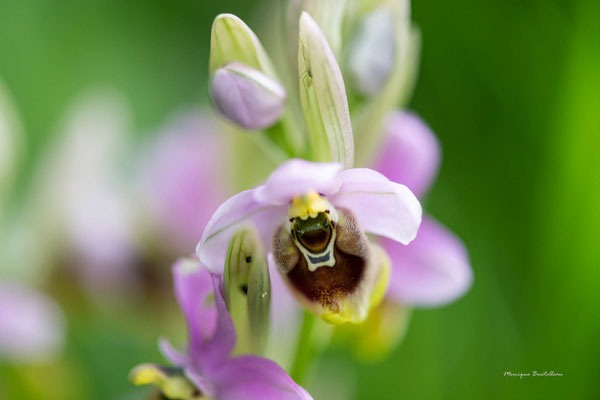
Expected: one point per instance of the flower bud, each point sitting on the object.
(247, 290)
(372, 52)
(247, 96)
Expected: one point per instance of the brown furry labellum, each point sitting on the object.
(326, 287)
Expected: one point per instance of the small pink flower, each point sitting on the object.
(207, 362)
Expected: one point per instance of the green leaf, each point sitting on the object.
(323, 97)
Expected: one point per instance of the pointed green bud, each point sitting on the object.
(232, 40)
(323, 97)
(247, 289)
(246, 96)
(171, 381)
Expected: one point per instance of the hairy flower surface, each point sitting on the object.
(206, 370)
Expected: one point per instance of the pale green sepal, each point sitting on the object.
(232, 40)
(171, 381)
(323, 97)
(247, 289)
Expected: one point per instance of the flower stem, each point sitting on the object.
(305, 350)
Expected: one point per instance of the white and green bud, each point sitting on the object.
(371, 53)
(246, 96)
(247, 288)
(232, 40)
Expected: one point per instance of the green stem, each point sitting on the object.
(305, 350)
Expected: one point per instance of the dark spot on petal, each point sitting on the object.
(249, 259)
(244, 289)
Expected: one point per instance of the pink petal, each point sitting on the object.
(297, 177)
(411, 152)
(382, 207)
(433, 270)
(168, 351)
(230, 216)
(193, 285)
(246, 96)
(32, 326)
(222, 342)
(253, 377)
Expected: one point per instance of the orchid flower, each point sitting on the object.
(206, 370)
(313, 217)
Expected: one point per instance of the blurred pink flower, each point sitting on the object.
(32, 326)
(82, 200)
(434, 268)
(184, 179)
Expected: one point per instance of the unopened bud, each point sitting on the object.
(247, 96)
(372, 52)
(247, 289)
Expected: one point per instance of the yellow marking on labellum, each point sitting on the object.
(308, 205)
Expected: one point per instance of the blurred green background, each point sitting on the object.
(511, 88)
